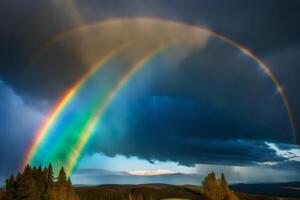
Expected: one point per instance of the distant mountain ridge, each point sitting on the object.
(102, 172)
(101, 176)
(85, 177)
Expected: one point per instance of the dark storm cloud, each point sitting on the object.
(165, 129)
(18, 122)
(254, 174)
(24, 26)
(263, 26)
(196, 111)
(202, 95)
(260, 25)
(285, 63)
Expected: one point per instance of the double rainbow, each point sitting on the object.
(153, 49)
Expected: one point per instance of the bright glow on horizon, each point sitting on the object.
(119, 165)
(152, 172)
(122, 163)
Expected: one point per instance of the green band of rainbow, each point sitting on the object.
(65, 99)
(102, 107)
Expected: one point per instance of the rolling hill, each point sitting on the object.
(291, 189)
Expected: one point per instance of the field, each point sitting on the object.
(151, 192)
(141, 192)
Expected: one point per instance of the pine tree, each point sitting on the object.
(40, 170)
(214, 189)
(34, 172)
(210, 182)
(69, 181)
(50, 174)
(40, 181)
(62, 177)
(10, 183)
(9, 188)
(27, 171)
(223, 182)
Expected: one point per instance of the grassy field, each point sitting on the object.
(174, 199)
(141, 192)
(153, 191)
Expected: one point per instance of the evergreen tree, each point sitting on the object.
(50, 174)
(10, 183)
(223, 182)
(27, 171)
(40, 171)
(34, 172)
(69, 181)
(62, 177)
(210, 182)
(214, 189)
(40, 181)
(9, 188)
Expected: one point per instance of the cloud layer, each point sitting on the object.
(18, 122)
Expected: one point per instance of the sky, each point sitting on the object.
(200, 105)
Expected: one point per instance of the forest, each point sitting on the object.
(37, 183)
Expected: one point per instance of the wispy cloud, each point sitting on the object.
(292, 154)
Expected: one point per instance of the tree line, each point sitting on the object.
(37, 183)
